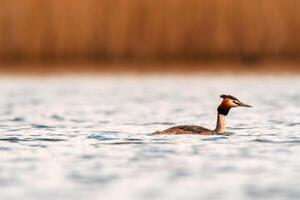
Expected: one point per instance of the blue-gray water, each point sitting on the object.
(88, 138)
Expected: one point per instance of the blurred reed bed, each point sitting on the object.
(149, 29)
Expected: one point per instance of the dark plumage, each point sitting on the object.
(187, 129)
(228, 96)
(223, 110)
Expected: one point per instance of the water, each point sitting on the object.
(89, 138)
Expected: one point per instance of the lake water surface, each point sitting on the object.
(89, 138)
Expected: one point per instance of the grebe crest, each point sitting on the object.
(228, 102)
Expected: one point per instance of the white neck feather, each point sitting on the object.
(220, 127)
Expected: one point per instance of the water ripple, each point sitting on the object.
(126, 143)
(100, 137)
(293, 124)
(276, 142)
(18, 119)
(16, 139)
(42, 126)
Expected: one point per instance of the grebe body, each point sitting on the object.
(227, 103)
(187, 129)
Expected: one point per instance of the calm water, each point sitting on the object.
(89, 138)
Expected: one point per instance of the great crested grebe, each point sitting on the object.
(223, 109)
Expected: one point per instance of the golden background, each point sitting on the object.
(149, 30)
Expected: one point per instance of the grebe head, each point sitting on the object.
(228, 103)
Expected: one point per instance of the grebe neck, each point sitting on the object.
(220, 127)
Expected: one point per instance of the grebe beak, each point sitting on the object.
(243, 104)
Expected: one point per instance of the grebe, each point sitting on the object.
(227, 103)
